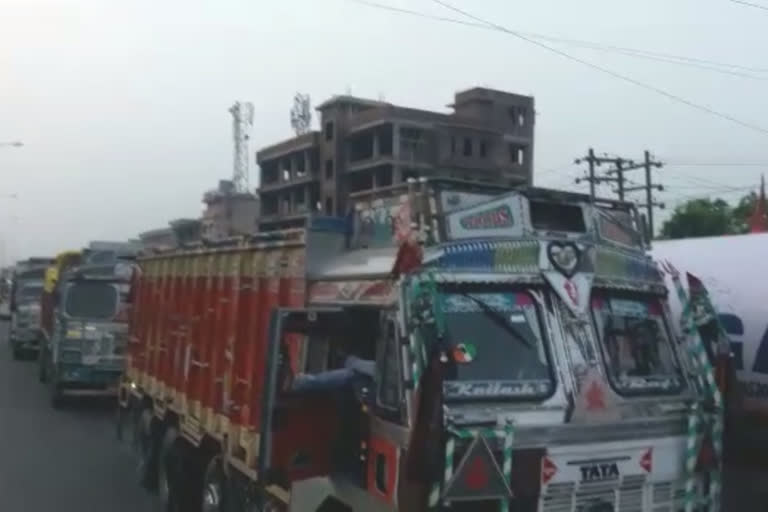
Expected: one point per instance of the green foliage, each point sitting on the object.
(699, 217)
(742, 211)
(709, 217)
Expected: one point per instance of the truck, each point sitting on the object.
(727, 267)
(518, 348)
(86, 349)
(26, 291)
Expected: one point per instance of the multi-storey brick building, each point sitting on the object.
(365, 144)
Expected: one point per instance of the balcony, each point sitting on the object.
(305, 179)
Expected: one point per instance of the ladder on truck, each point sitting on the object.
(705, 418)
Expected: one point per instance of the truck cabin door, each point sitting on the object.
(388, 432)
(302, 416)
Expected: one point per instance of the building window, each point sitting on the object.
(329, 130)
(521, 117)
(286, 175)
(512, 111)
(329, 169)
(453, 145)
(467, 146)
(329, 206)
(517, 154)
(483, 149)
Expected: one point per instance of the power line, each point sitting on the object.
(680, 199)
(695, 62)
(750, 4)
(717, 164)
(609, 72)
(699, 179)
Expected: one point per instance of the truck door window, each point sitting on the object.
(636, 346)
(389, 373)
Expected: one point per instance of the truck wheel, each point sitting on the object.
(214, 487)
(170, 473)
(147, 467)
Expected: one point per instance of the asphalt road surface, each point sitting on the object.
(69, 460)
(64, 460)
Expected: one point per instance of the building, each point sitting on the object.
(365, 144)
(228, 212)
(158, 239)
(186, 231)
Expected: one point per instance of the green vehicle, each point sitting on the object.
(85, 355)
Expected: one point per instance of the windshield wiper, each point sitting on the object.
(499, 319)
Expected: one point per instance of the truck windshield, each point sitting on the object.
(636, 344)
(95, 300)
(29, 294)
(497, 347)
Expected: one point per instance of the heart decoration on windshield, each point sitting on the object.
(564, 257)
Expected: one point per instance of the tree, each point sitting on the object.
(699, 217)
(743, 211)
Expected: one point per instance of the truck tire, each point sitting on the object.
(148, 451)
(170, 473)
(215, 482)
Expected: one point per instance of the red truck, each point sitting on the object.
(445, 347)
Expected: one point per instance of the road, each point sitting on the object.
(64, 460)
(68, 460)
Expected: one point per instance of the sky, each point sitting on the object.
(122, 106)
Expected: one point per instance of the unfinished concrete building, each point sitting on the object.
(365, 144)
(228, 212)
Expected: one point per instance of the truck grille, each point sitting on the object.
(627, 497)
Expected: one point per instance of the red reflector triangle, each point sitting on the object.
(646, 461)
(477, 476)
(548, 470)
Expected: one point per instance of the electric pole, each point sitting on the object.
(616, 174)
(608, 177)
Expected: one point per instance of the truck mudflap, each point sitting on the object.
(640, 475)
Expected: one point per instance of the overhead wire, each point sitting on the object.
(750, 4)
(695, 62)
(609, 72)
(680, 199)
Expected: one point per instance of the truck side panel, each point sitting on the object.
(200, 334)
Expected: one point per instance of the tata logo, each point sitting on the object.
(599, 472)
(498, 217)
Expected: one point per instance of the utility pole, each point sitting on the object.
(648, 187)
(616, 174)
(608, 177)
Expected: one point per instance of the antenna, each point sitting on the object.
(301, 114)
(242, 122)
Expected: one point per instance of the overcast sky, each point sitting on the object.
(122, 106)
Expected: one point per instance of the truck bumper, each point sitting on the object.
(26, 339)
(88, 378)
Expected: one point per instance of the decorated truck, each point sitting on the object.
(26, 290)
(86, 349)
(445, 346)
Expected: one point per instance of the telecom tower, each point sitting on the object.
(242, 122)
